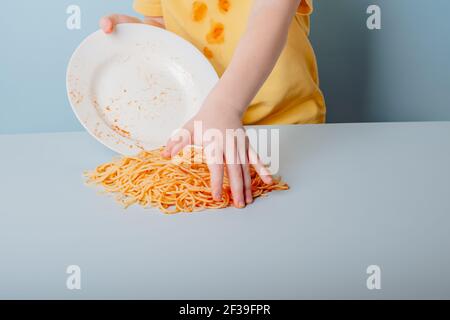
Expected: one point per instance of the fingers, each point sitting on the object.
(167, 152)
(247, 183)
(213, 153)
(108, 23)
(235, 178)
(155, 21)
(238, 156)
(216, 171)
(177, 148)
(260, 168)
(174, 146)
(176, 143)
(236, 184)
(242, 149)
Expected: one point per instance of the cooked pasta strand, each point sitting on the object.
(183, 186)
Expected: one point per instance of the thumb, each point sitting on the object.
(179, 139)
(106, 24)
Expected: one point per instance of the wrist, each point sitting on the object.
(221, 103)
(221, 108)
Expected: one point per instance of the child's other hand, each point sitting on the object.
(108, 23)
(236, 154)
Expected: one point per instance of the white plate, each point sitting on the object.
(133, 88)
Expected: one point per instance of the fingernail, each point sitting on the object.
(241, 204)
(217, 196)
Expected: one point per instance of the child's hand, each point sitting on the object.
(253, 61)
(235, 153)
(108, 23)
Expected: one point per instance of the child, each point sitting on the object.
(261, 51)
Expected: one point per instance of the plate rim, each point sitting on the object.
(117, 148)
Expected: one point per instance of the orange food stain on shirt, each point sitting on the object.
(216, 35)
(199, 10)
(224, 6)
(208, 53)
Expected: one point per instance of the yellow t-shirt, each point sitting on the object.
(290, 95)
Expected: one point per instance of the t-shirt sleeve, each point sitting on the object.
(305, 7)
(148, 8)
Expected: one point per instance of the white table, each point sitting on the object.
(361, 194)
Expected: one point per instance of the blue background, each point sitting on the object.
(399, 73)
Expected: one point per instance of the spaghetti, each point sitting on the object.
(172, 186)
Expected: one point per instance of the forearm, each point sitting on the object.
(256, 53)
